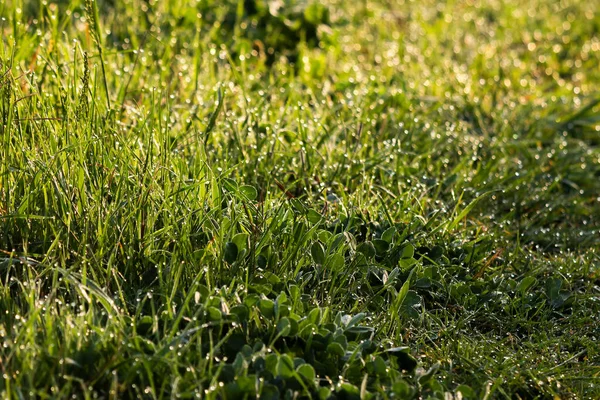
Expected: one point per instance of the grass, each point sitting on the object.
(377, 199)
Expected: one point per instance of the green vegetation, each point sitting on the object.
(289, 199)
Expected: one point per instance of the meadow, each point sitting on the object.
(299, 199)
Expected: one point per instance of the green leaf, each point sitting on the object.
(553, 291)
(246, 351)
(379, 366)
(295, 293)
(411, 304)
(249, 192)
(313, 216)
(239, 363)
(284, 326)
(259, 363)
(214, 314)
(293, 327)
(269, 392)
(324, 236)
(314, 316)
(271, 361)
(251, 300)
(285, 366)
(367, 249)
(230, 185)
(336, 349)
(350, 391)
(274, 279)
(336, 262)
(317, 252)
(307, 372)
(381, 246)
(356, 320)
(341, 339)
(266, 308)
(358, 333)
(246, 384)
(388, 235)
(324, 393)
(466, 391)
(408, 251)
(367, 347)
(241, 311)
(526, 283)
(436, 252)
(337, 241)
(232, 390)
(241, 241)
(403, 390)
(306, 329)
(230, 252)
(406, 263)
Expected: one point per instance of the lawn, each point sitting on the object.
(300, 199)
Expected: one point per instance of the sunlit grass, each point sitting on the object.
(366, 200)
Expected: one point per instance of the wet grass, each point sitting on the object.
(367, 200)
